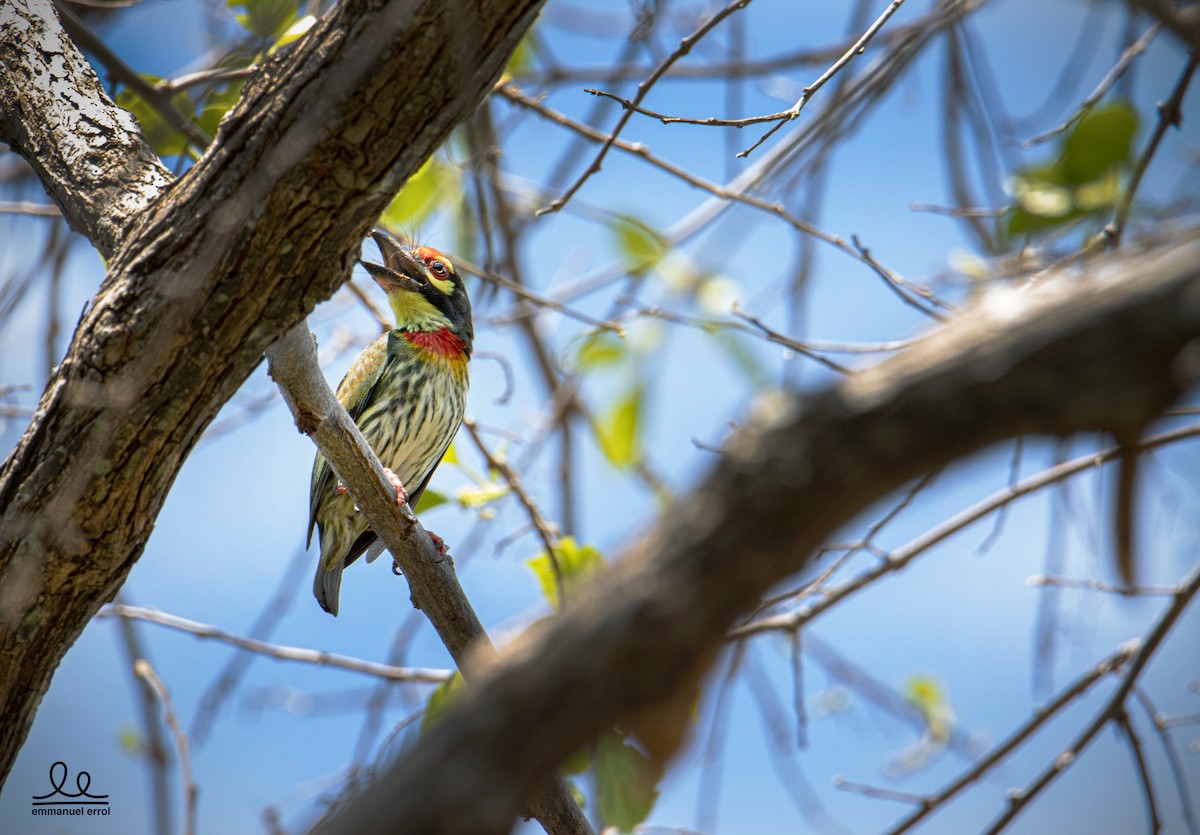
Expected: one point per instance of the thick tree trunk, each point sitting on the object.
(210, 271)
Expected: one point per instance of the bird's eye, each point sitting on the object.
(439, 268)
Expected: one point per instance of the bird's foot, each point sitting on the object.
(401, 493)
(438, 543)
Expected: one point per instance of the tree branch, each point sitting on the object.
(1106, 351)
(88, 152)
(434, 586)
(203, 274)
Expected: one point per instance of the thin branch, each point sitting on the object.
(1170, 114)
(685, 46)
(859, 253)
(227, 679)
(195, 79)
(545, 529)
(1085, 107)
(1113, 708)
(900, 558)
(789, 343)
(857, 49)
(292, 363)
(1097, 585)
(146, 673)
(1177, 771)
(1018, 737)
(153, 747)
(523, 292)
(25, 207)
(781, 117)
(840, 782)
(283, 653)
(1139, 760)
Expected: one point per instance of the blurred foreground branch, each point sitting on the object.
(1104, 348)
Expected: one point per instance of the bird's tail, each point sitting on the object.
(328, 581)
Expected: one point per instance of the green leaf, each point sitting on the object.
(430, 499)
(577, 563)
(293, 33)
(265, 18)
(434, 185)
(577, 763)
(1102, 140)
(602, 349)
(927, 695)
(626, 782)
(521, 60)
(639, 243)
(441, 699)
(164, 139)
(218, 102)
(619, 429)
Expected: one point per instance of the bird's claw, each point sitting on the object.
(438, 543)
(401, 493)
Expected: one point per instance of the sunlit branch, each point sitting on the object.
(283, 653)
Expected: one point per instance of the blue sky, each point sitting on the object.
(236, 515)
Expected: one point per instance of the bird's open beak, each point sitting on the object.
(399, 266)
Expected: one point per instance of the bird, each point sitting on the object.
(407, 394)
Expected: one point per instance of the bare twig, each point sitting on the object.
(856, 49)
(789, 343)
(865, 790)
(1085, 107)
(1170, 114)
(154, 748)
(195, 79)
(1097, 585)
(1139, 760)
(1018, 737)
(307, 656)
(1177, 772)
(25, 207)
(685, 46)
(777, 209)
(1113, 709)
(545, 529)
(902, 557)
(523, 292)
(229, 676)
(146, 673)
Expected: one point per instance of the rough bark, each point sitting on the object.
(88, 153)
(1107, 350)
(203, 279)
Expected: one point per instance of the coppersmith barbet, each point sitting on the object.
(406, 392)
